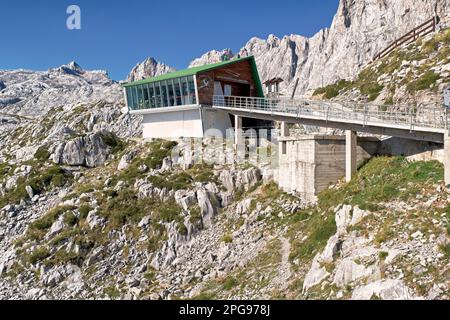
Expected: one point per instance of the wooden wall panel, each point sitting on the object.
(239, 75)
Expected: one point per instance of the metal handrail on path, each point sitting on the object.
(432, 116)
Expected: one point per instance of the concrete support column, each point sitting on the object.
(284, 132)
(447, 159)
(350, 154)
(238, 130)
(284, 129)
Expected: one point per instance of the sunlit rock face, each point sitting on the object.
(360, 29)
(148, 68)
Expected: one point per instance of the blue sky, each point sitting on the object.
(115, 35)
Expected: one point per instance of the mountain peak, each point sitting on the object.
(72, 65)
(150, 67)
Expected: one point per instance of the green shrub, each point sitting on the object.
(70, 219)
(230, 283)
(112, 141)
(333, 90)
(159, 151)
(42, 154)
(424, 82)
(84, 211)
(39, 254)
(50, 217)
(112, 292)
(227, 238)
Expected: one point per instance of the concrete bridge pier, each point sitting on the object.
(350, 154)
(284, 133)
(238, 131)
(446, 158)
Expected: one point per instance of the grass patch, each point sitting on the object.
(42, 154)
(112, 141)
(383, 179)
(50, 217)
(426, 81)
(39, 254)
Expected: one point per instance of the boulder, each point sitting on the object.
(185, 198)
(315, 275)
(385, 289)
(207, 210)
(29, 191)
(94, 221)
(348, 271)
(56, 227)
(126, 160)
(89, 151)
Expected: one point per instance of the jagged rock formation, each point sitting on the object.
(148, 68)
(360, 29)
(212, 57)
(34, 93)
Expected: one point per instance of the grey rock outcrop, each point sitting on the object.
(385, 289)
(148, 68)
(89, 151)
(213, 56)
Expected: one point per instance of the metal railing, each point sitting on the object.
(409, 116)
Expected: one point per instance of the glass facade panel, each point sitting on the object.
(158, 98)
(192, 95)
(177, 90)
(174, 92)
(146, 101)
(170, 93)
(164, 94)
(140, 97)
(151, 95)
(135, 99)
(129, 97)
(185, 91)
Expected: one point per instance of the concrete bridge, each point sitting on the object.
(424, 123)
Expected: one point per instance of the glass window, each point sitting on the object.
(135, 98)
(151, 95)
(140, 97)
(177, 87)
(129, 97)
(185, 91)
(164, 96)
(191, 87)
(171, 93)
(145, 91)
(158, 98)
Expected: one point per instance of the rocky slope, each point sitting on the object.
(416, 73)
(33, 93)
(89, 211)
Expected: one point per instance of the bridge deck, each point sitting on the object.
(428, 123)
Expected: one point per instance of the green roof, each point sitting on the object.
(195, 70)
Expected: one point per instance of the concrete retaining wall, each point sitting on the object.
(311, 163)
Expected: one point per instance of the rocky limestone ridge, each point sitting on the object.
(360, 29)
(148, 68)
(34, 93)
(212, 57)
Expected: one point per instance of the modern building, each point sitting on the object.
(178, 104)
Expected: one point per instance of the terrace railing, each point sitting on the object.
(409, 117)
